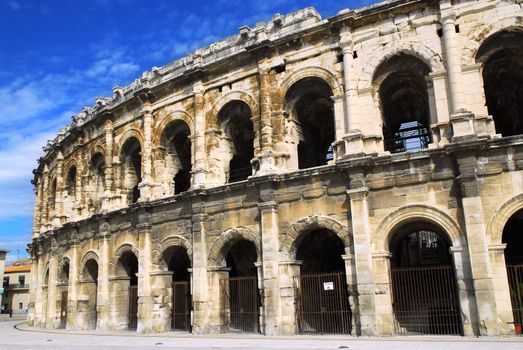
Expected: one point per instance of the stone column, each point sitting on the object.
(477, 240)
(383, 298)
(52, 320)
(79, 194)
(453, 61)
(352, 289)
(34, 287)
(39, 188)
(72, 295)
(218, 305)
(45, 201)
(362, 258)
(145, 302)
(199, 285)
(500, 281)
(270, 266)
(266, 156)
(289, 274)
(353, 137)
(440, 123)
(146, 186)
(467, 299)
(199, 170)
(103, 301)
(39, 316)
(58, 211)
(107, 202)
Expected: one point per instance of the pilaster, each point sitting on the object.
(145, 302)
(74, 277)
(199, 170)
(199, 285)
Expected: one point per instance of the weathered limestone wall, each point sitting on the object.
(467, 181)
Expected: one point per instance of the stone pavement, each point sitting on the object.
(26, 338)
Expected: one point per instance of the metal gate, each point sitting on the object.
(133, 307)
(425, 300)
(515, 281)
(323, 304)
(181, 310)
(240, 312)
(63, 310)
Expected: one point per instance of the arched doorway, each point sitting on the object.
(62, 290)
(178, 262)
(513, 238)
(240, 290)
(424, 291)
(126, 288)
(323, 299)
(401, 82)
(131, 174)
(502, 59)
(45, 296)
(310, 106)
(176, 142)
(235, 122)
(87, 307)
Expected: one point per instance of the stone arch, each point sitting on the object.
(167, 117)
(91, 254)
(172, 241)
(122, 139)
(226, 239)
(410, 213)
(501, 216)
(482, 33)
(312, 72)
(292, 238)
(430, 57)
(234, 95)
(62, 275)
(122, 249)
(94, 150)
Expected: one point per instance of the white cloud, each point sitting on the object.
(123, 70)
(13, 5)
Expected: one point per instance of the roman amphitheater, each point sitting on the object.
(360, 174)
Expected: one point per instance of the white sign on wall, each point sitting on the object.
(328, 286)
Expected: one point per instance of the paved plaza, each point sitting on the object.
(14, 335)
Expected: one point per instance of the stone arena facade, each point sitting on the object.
(360, 174)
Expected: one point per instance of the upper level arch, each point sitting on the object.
(166, 118)
(231, 96)
(311, 72)
(416, 49)
(170, 242)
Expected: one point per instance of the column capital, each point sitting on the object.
(382, 255)
(497, 248)
(358, 193)
(267, 206)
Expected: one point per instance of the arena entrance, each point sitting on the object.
(514, 261)
(126, 271)
(424, 292)
(323, 299)
(241, 311)
(179, 264)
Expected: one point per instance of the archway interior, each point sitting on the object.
(176, 141)
(513, 238)
(425, 297)
(323, 298)
(320, 251)
(128, 267)
(234, 119)
(502, 55)
(404, 103)
(178, 263)
(71, 181)
(131, 160)
(241, 258)
(90, 288)
(311, 108)
(63, 277)
(241, 288)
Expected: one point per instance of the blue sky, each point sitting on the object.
(57, 56)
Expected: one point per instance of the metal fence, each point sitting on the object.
(181, 309)
(133, 307)
(425, 300)
(240, 312)
(515, 281)
(323, 304)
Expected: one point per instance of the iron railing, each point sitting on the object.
(181, 309)
(240, 312)
(323, 304)
(515, 281)
(133, 307)
(425, 300)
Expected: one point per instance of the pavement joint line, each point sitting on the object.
(301, 337)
